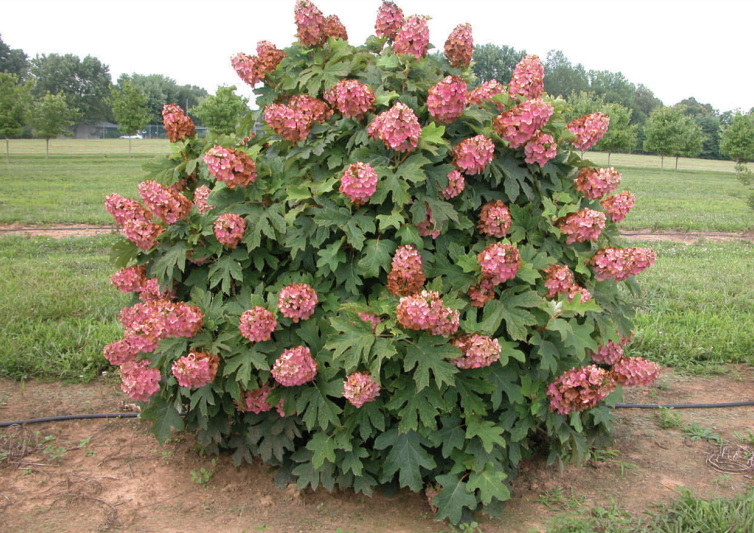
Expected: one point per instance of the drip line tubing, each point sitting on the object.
(616, 406)
(95, 228)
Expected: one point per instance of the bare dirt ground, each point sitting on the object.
(98, 475)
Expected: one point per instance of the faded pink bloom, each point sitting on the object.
(406, 274)
(471, 156)
(253, 69)
(424, 311)
(594, 183)
(558, 280)
(201, 195)
(575, 289)
(460, 46)
(521, 124)
(540, 149)
(257, 324)
(397, 127)
(485, 92)
(181, 319)
(499, 262)
(294, 367)
(131, 279)
(588, 130)
(255, 401)
(482, 293)
(151, 290)
(163, 202)
(495, 219)
(447, 99)
(621, 263)
(138, 380)
(413, 37)
(124, 209)
(234, 168)
(586, 225)
(478, 351)
(389, 20)
(579, 389)
(351, 98)
(142, 233)
(294, 121)
(196, 369)
(371, 318)
(297, 301)
(635, 371)
(178, 125)
(332, 27)
(120, 352)
(359, 183)
(360, 388)
(618, 206)
(428, 227)
(607, 354)
(309, 21)
(229, 229)
(528, 78)
(456, 184)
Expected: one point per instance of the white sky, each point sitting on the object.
(677, 48)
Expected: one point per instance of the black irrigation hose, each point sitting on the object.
(60, 229)
(616, 406)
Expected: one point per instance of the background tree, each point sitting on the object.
(130, 110)
(160, 90)
(492, 62)
(221, 112)
(85, 83)
(738, 140)
(15, 98)
(51, 117)
(583, 103)
(621, 135)
(669, 132)
(561, 77)
(13, 61)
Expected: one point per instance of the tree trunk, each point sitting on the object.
(662, 163)
(608, 158)
(47, 153)
(676, 164)
(129, 148)
(7, 151)
(738, 165)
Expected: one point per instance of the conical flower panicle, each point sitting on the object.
(389, 20)
(406, 275)
(460, 46)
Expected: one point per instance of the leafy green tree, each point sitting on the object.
(644, 103)
(51, 117)
(86, 83)
(13, 61)
(613, 87)
(131, 113)
(492, 62)
(583, 103)
(738, 140)
(621, 135)
(221, 112)
(161, 90)
(15, 98)
(563, 78)
(711, 128)
(669, 132)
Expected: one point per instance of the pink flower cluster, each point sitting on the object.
(297, 301)
(540, 149)
(447, 99)
(138, 380)
(196, 369)
(482, 293)
(253, 69)
(294, 367)
(389, 20)
(235, 169)
(456, 184)
(580, 388)
(478, 351)
(309, 20)
(528, 78)
(359, 182)
(351, 98)
(201, 195)
(413, 37)
(495, 219)
(499, 262)
(255, 401)
(471, 156)
(459, 48)
(151, 290)
(406, 275)
(257, 324)
(397, 127)
(424, 311)
(334, 28)
(635, 371)
(621, 263)
(607, 354)
(428, 227)
(575, 289)
(588, 130)
(229, 229)
(618, 206)
(163, 202)
(586, 225)
(360, 388)
(485, 92)
(131, 279)
(371, 318)
(178, 126)
(294, 121)
(135, 221)
(521, 124)
(594, 183)
(559, 279)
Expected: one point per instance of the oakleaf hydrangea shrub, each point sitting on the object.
(407, 279)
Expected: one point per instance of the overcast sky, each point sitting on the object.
(677, 48)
